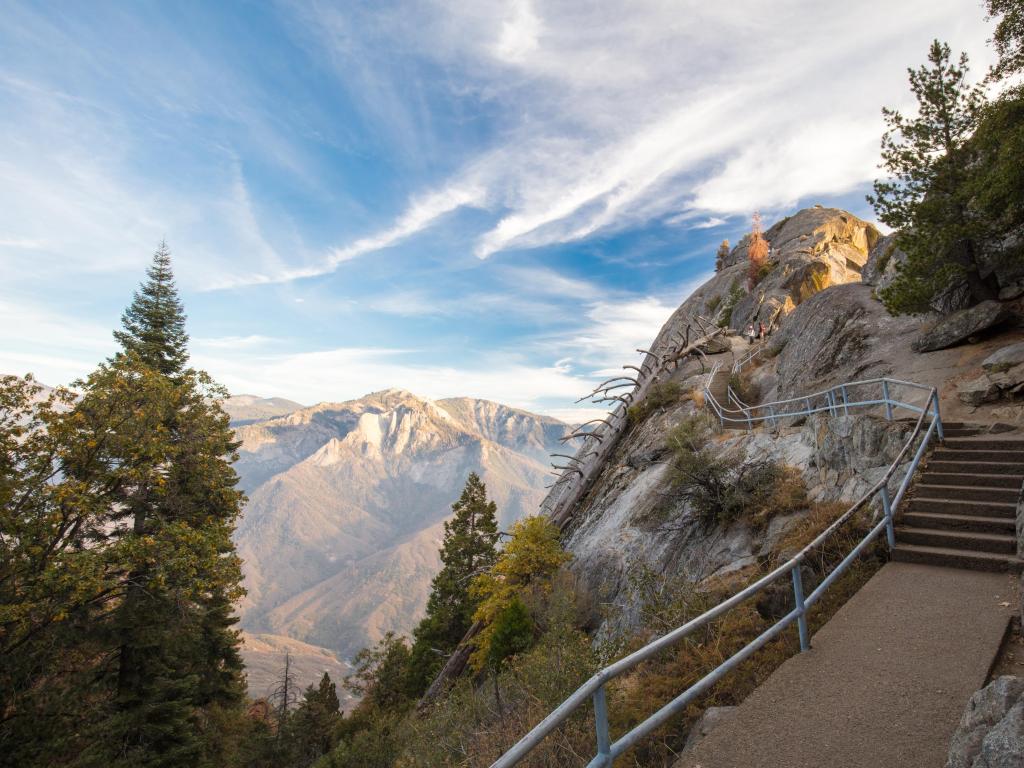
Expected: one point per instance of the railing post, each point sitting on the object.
(801, 620)
(938, 418)
(604, 749)
(807, 402)
(771, 416)
(831, 396)
(890, 532)
(888, 402)
(846, 401)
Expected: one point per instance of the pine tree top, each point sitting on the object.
(153, 326)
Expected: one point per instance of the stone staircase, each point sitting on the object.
(719, 389)
(963, 512)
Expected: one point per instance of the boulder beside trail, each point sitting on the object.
(991, 731)
(1003, 377)
(960, 326)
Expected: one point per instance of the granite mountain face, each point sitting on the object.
(341, 532)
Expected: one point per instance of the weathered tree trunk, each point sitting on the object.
(454, 667)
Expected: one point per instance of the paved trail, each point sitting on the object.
(884, 684)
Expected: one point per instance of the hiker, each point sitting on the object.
(761, 331)
(750, 333)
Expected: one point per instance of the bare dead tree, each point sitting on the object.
(285, 693)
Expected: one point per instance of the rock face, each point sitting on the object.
(960, 326)
(810, 251)
(991, 731)
(883, 263)
(341, 532)
(631, 523)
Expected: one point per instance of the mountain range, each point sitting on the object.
(346, 503)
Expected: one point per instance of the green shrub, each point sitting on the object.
(660, 395)
(714, 303)
(720, 488)
(731, 300)
(762, 272)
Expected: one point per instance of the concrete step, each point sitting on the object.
(975, 492)
(1000, 543)
(960, 507)
(979, 480)
(948, 432)
(984, 444)
(966, 456)
(987, 468)
(957, 558)
(967, 523)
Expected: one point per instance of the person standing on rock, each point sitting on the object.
(761, 331)
(750, 333)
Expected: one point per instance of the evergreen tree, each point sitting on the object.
(154, 323)
(468, 549)
(314, 726)
(1009, 35)
(526, 566)
(721, 255)
(121, 508)
(927, 198)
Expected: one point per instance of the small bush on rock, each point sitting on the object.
(721, 488)
(661, 395)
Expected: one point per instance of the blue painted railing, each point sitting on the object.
(829, 401)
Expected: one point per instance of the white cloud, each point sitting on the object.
(709, 223)
(615, 117)
(519, 33)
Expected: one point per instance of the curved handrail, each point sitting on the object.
(594, 688)
(750, 355)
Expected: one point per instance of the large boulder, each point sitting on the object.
(961, 326)
(991, 730)
(1003, 377)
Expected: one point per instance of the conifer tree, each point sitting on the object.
(468, 549)
(1009, 35)
(314, 726)
(721, 255)
(927, 197)
(177, 646)
(154, 323)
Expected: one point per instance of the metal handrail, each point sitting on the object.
(594, 688)
(750, 355)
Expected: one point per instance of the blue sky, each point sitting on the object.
(494, 199)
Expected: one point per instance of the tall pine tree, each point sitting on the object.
(469, 549)
(177, 650)
(154, 323)
(927, 197)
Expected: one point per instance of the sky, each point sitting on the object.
(488, 199)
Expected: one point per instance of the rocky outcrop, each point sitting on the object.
(810, 251)
(1003, 377)
(961, 326)
(883, 264)
(632, 522)
(991, 731)
(841, 333)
